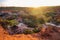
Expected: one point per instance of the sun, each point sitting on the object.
(35, 6)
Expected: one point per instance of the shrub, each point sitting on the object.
(13, 22)
(41, 21)
(36, 30)
(27, 31)
(30, 23)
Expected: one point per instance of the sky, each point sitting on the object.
(29, 3)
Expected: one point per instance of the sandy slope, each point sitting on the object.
(4, 36)
(46, 35)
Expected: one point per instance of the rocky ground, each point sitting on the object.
(49, 33)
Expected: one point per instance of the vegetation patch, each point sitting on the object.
(27, 20)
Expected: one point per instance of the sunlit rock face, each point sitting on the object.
(20, 28)
(16, 29)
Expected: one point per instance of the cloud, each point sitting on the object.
(31, 3)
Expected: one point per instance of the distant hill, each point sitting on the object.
(46, 8)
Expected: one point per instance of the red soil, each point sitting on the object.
(45, 34)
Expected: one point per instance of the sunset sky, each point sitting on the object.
(29, 3)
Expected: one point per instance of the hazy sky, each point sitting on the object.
(29, 3)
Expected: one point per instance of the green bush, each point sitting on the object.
(36, 30)
(41, 21)
(27, 31)
(12, 22)
(50, 16)
(29, 22)
(5, 23)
